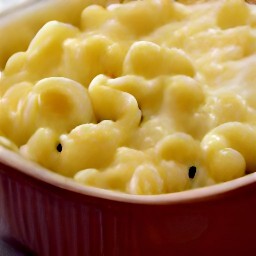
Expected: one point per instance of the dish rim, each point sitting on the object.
(32, 169)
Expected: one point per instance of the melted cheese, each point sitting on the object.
(137, 95)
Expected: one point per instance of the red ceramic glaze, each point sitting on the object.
(49, 215)
(62, 218)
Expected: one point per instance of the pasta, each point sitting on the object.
(145, 97)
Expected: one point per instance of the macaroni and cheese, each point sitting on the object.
(145, 97)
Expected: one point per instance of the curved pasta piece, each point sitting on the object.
(184, 94)
(56, 102)
(131, 170)
(233, 13)
(146, 181)
(45, 48)
(89, 146)
(118, 174)
(111, 104)
(171, 146)
(86, 146)
(230, 150)
(62, 103)
(11, 122)
(175, 176)
(51, 35)
(93, 17)
(143, 17)
(91, 177)
(90, 55)
(177, 153)
(148, 93)
(151, 60)
(41, 148)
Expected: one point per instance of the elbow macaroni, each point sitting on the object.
(138, 96)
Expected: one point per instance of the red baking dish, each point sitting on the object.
(43, 213)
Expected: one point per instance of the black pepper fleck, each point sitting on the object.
(59, 147)
(192, 172)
